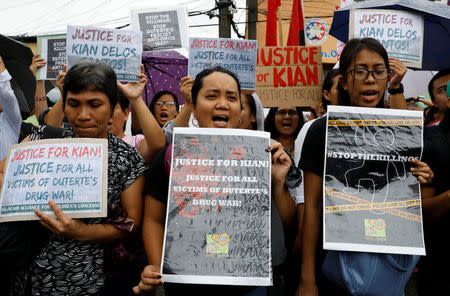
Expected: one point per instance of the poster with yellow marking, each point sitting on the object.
(372, 200)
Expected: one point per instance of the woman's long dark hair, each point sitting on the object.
(348, 57)
(269, 122)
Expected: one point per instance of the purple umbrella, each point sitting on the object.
(164, 70)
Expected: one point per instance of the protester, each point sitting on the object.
(153, 139)
(433, 268)
(365, 74)
(436, 89)
(217, 103)
(79, 257)
(10, 117)
(283, 124)
(164, 107)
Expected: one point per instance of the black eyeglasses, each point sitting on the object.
(283, 113)
(168, 104)
(363, 74)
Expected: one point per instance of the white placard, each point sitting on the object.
(71, 172)
(121, 49)
(400, 32)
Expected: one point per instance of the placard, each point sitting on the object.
(289, 76)
(71, 172)
(236, 55)
(372, 200)
(121, 49)
(400, 32)
(162, 28)
(52, 48)
(218, 212)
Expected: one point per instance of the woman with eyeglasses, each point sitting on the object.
(164, 107)
(283, 124)
(365, 71)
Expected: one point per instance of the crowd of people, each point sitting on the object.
(121, 253)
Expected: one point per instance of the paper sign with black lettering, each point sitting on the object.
(52, 48)
(400, 32)
(289, 76)
(236, 55)
(162, 28)
(218, 212)
(372, 200)
(121, 49)
(71, 172)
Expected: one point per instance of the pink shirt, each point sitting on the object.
(134, 140)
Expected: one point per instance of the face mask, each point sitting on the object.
(54, 95)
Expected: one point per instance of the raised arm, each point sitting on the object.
(40, 100)
(9, 106)
(182, 119)
(154, 137)
(56, 115)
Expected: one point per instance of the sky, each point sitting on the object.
(42, 17)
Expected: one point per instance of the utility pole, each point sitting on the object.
(252, 18)
(224, 18)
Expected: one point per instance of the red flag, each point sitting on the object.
(297, 27)
(271, 23)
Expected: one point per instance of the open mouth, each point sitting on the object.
(164, 115)
(220, 121)
(369, 96)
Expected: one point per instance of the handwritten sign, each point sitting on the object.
(121, 49)
(289, 76)
(400, 32)
(162, 28)
(218, 211)
(71, 172)
(236, 55)
(52, 48)
(372, 200)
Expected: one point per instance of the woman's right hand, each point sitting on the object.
(150, 280)
(186, 87)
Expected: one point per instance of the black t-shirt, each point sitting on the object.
(313, 151)
(157, 184)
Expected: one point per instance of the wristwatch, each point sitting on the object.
(396, 91)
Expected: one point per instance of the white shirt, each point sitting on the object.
(10, 118)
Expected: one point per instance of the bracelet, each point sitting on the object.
(40, 99)
(396, 91)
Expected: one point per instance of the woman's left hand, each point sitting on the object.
(281, 162)
(422, 171)
(62, 225)
(133, 90)
(398, 71)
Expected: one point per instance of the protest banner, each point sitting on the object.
(400, 32)
(372, 200)
(289, 76)
(162, 28)
(236, 55)
(71, 172)
(218, 212)
(52, 48)
(121, 49)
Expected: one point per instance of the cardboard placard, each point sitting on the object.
(289, 76)
(71, 172)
